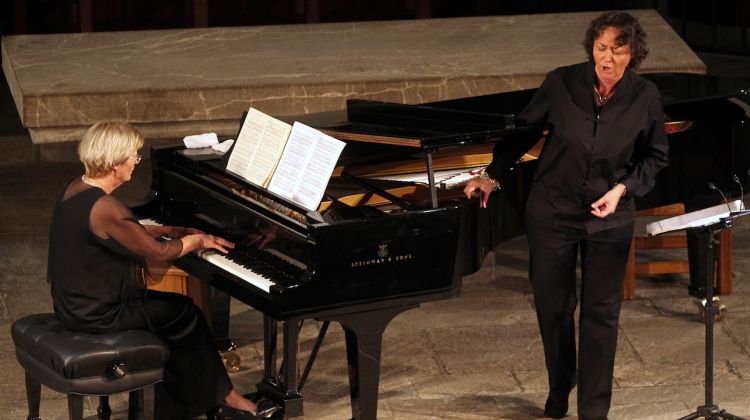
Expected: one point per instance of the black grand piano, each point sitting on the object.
(374, 249)
(394, 229)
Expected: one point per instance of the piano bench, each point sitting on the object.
(80, 364)
(723, 254)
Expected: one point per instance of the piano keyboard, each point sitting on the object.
(226, 263)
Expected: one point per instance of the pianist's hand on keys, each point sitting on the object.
(224, 262)
(205, 241)
(192, 239)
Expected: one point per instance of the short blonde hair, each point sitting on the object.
(108, 144)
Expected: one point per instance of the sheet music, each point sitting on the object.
(258, 147)
(306, 166)
(705, 217)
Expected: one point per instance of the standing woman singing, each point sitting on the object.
(605, 144)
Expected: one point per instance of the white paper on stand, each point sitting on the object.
(705, 217)
(306, 166)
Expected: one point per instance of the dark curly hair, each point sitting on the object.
(631, 34)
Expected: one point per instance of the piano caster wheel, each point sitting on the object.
(717, 302)
(231, 361)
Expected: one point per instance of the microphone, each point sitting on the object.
(736, 180)
(713, 186)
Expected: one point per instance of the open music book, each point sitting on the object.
(705, 217)
(293, 161)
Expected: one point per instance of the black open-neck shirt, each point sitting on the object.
(589, 149)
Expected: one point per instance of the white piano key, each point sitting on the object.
(232, 267)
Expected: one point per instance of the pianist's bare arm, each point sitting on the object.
(111, 219)
(174, 232)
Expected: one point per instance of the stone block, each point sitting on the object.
(171, 83)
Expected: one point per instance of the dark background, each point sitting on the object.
(708, 25)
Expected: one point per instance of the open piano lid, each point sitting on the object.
(426, 128)
(686, 88)
(422, 127)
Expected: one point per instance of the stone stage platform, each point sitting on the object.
(171, 83)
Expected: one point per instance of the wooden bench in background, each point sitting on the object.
(723, 255)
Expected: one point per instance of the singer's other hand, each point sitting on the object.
(607, 204)
(479, 187)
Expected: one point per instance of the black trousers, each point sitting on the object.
(553, 258)
(195, 379)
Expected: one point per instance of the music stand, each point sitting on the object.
(706, 224)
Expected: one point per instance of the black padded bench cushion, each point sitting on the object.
(74, 362)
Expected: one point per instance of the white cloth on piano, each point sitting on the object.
(224, 146)
(200, 140)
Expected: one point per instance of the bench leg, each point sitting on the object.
(135, 405)
(33, 396)
(75, 407)
(149, 402)
(141, 404)
(104, 412)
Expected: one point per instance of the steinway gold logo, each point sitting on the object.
(383, 257)
(383, 250)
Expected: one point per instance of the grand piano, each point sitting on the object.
(375, 247)
(394, 229)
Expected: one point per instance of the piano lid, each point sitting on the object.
(675, 89)
(421, 127)
(490, 118)
(686, 88)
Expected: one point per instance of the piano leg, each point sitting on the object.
(269, 348)
(364, 337)
(220, 319)
(293, 398)
(284, 391)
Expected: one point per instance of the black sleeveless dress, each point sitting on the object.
(97, 286)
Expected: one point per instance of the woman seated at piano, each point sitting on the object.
(97, 263)
(605, 144)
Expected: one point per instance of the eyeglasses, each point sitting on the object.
(136, 158)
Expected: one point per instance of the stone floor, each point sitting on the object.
(477, 356)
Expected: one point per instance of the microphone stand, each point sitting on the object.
(706, 235)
